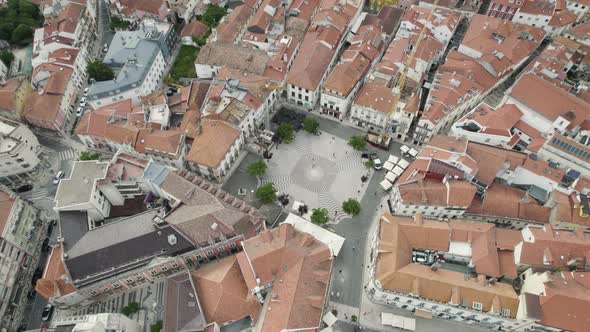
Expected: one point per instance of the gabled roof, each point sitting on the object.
(314, 56)
(213, 143)
(300, 265)
(557, 102)
(7, 201)
(394, 270)
(375, 96)
(346, 75)
(223, 293)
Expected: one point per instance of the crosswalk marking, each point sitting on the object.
(35, 194)
(69, 154)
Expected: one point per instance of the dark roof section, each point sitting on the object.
(135, 250)
(533, 306)
(387, 20)
(73, 226)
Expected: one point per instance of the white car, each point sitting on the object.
(80, 111)
(86, 89)
(377, 164)
(83, 101)
(58, 177)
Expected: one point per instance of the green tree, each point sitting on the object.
(87, 155)
(18, 18)
(200, 40)
(6, 31)
(7, 57)
(351, 207)
(311, 125)
(22, 34)
(156, 327)
(319, 216)
(213, 15)
(285, 132)
(99, 71)
(267, 193)
(118, 24)
(353, 318)
(358, 142)
(184, 65)
(257, 168)
(369, 164)
(130, 309)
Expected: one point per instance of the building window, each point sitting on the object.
(477, 306)
(506, 312)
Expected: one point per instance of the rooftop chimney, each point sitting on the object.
(418, 219)
(579, 231)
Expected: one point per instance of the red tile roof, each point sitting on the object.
(548, 247)
(56, 281)
(557, 102)
(509, 202)
(195, 29)
(375, 96)
(346, 75)
(396, 272)
(303, 265)
(6, 203)
(222, 292)
(314, 56)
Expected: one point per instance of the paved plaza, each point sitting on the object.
(321, 171)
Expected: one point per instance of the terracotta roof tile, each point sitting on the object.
(303, 264)
(375, 96)
(396, 272)
(213, 143)
(313, 57)
(346, 75)
(558, 102)
(195, 29)
(509, 202)
(6, 203)
(222, 292)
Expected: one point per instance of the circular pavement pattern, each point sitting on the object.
(320, 171)
(314, 173)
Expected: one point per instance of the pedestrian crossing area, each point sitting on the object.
(69, 154)
(35, 194)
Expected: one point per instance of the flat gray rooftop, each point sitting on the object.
(78, 188)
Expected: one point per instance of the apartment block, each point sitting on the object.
(23, 232)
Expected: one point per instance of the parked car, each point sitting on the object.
(86, 89)
(105, 47)
(377, 164)
(45, 247)
(24, 188)
(171, 91)
(83, 101)
(36, 276)
(80, 111)
(47, 312)
(58, 177)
